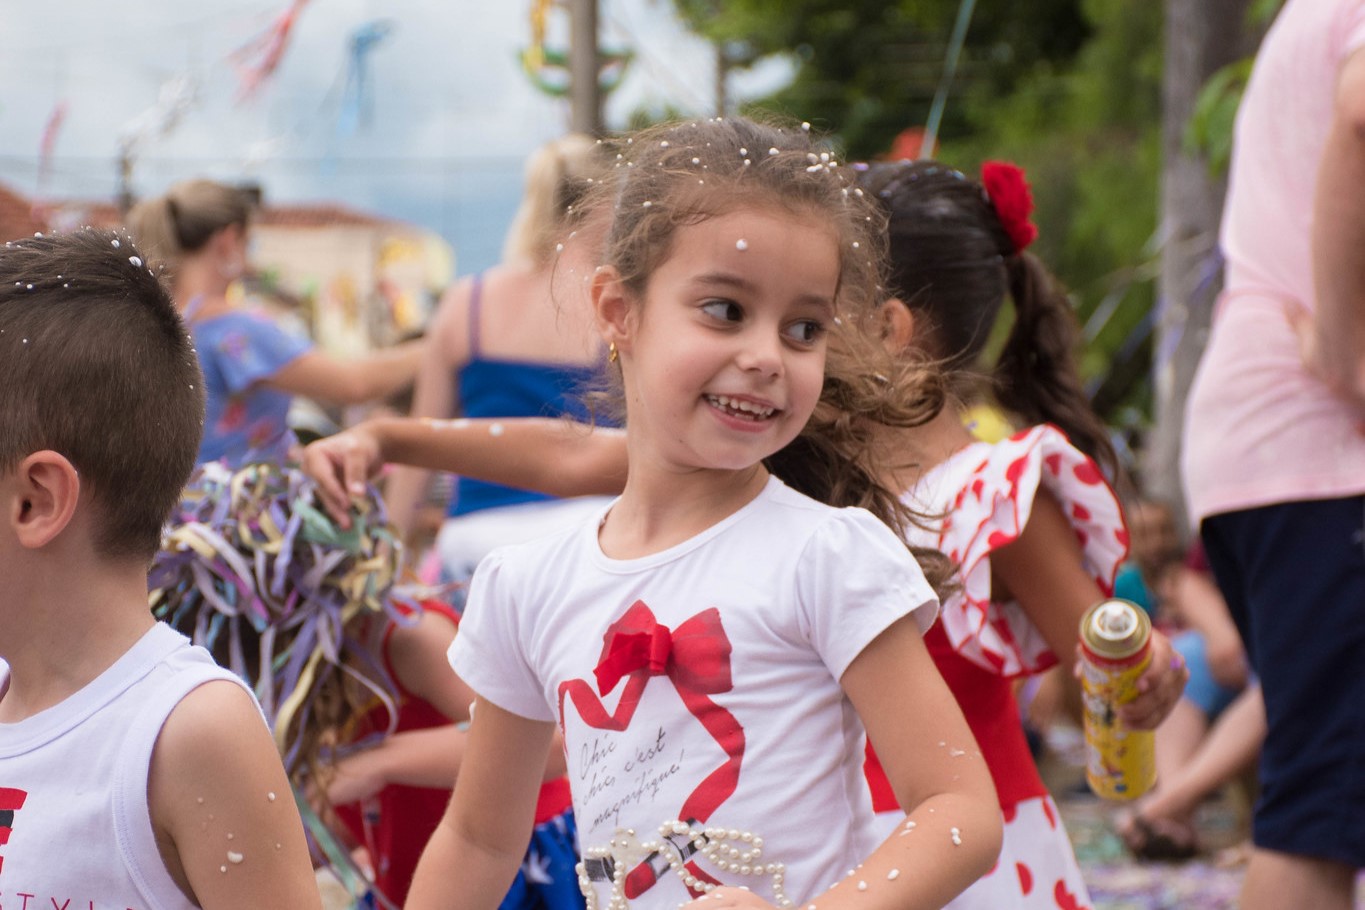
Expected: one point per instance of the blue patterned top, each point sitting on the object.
(246, 421)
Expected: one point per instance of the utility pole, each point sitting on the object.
(722, 76)
(125, 179)
(585, 95)
(1201, 37)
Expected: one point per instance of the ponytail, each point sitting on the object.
(152, 224)
(1036, 375)
(180, 223)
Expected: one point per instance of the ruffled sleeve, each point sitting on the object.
(991, 509)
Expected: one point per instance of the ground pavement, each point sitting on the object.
(1211, 881)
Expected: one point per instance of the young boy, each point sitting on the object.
(134, 773)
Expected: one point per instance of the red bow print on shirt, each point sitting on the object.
(695, 657)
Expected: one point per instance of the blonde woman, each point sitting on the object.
(514, 341)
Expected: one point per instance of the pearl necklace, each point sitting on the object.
(728, 850)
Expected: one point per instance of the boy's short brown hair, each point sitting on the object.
(96, 364)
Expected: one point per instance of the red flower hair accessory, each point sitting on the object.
(1008, 193)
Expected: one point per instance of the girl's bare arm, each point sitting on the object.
(1042, 569)
(482, 839)
(952, 831)
(547, 454)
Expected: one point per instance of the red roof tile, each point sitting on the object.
(318, 215)
(17, 218)
(21, 217)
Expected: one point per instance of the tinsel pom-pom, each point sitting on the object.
(252, 569)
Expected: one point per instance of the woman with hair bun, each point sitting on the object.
(198, 231)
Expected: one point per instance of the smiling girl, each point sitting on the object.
(714, 643)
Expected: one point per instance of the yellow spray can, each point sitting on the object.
(1116, 638)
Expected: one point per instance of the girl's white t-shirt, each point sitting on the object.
(717, 736)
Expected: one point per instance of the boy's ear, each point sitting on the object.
(42, 498)
(899, 322)
(611, 306)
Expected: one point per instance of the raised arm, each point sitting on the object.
(352, 381)
(221, 807)
(547, 454)
(1336, 351)
(434, 396)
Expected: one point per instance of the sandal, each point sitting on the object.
(1156, 839)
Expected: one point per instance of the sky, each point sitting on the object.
(437, 137)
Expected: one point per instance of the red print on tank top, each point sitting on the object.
(11, 801)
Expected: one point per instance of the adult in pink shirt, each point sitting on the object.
(1274, 457)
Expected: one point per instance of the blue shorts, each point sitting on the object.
(1207, 693)
(1293, 575)
(548, 877)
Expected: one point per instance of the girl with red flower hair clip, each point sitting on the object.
(1030, 520)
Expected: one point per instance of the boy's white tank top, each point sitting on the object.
(75, 831)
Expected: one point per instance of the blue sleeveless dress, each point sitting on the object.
(495, 387)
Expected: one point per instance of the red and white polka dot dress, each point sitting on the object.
(986, 493)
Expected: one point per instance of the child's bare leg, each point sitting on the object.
(1178, 739)
(1232, 744)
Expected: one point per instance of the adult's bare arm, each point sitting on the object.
(1335, 348)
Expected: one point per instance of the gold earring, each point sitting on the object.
(612, 356)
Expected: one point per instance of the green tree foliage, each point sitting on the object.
(1069, 89)
(1210, 129)
(868, 68)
